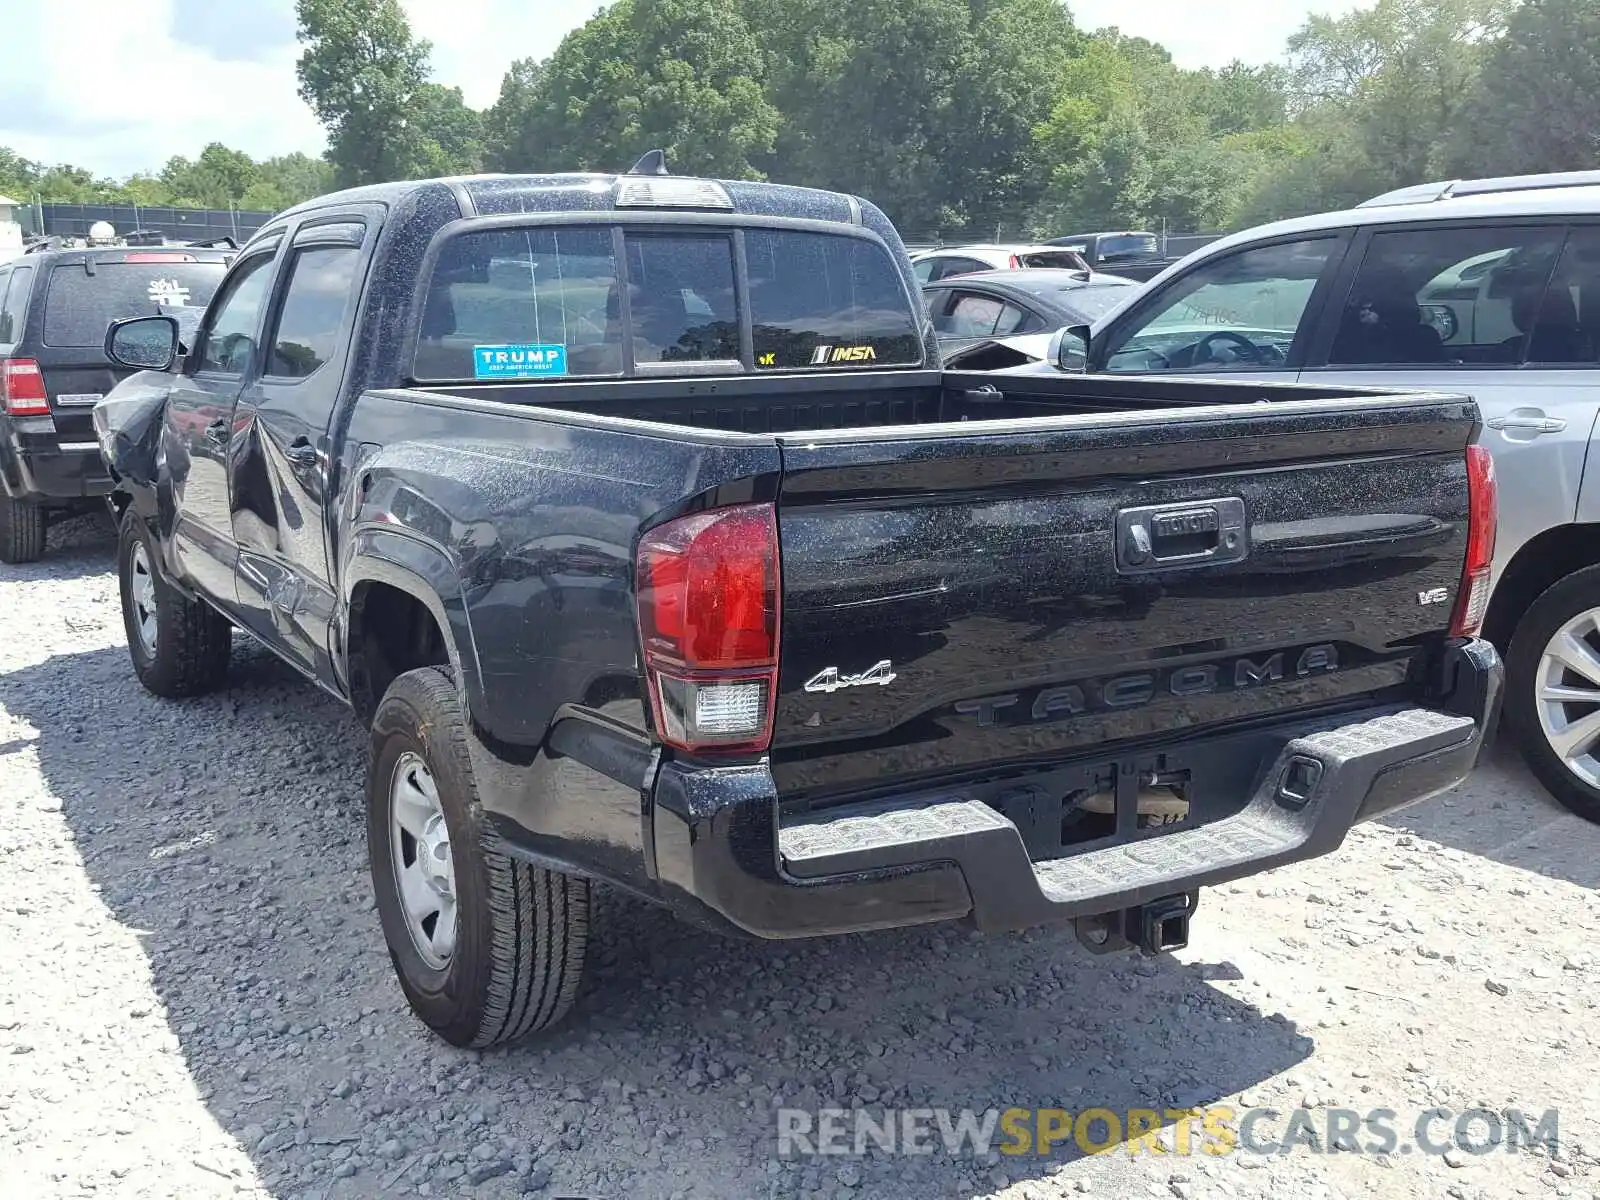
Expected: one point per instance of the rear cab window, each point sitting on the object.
(79, 305)
(597, 301)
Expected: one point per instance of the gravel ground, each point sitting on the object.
(196, 1001)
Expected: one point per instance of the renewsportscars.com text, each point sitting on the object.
(1213, 1130)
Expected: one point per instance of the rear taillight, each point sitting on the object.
(1472, 599)
(1016, 262)
(22, 391)
(708, 589)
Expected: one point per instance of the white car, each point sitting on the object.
(1489, 288)
(961, 260)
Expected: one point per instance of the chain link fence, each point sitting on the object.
(180, 224)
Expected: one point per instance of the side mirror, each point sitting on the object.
(1072, 349)
(143, 343)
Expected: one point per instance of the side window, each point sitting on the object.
(1236, 312)
(923, 268)
(971, 315)
(1464, 295)
(958, 266)
(230, 341)
(1014, 320)
(14, 303)
(1565, 331)
(322, 284)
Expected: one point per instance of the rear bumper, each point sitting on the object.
(42, 469)
(718, 840)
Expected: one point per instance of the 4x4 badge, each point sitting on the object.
(829, 680)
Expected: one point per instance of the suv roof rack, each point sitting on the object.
(1428, 193)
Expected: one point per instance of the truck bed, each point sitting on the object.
(786, 404)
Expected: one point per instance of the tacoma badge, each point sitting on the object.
(829, 680)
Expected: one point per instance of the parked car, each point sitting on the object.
(1135, 254)
(963, 260)
(54, 309)
(997, 304)
(1489, 287)
(503, 464)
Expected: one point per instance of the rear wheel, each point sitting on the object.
(487, 948)
(1553, 690)
(21, 531)
(180, 647)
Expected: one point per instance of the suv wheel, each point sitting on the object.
(21, 531)
(1553, 690)
(180, 647)
(486, 948)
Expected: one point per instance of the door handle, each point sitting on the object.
(301, 453)
(217, 431)
(1533, 424)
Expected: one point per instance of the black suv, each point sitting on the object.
(55, 306)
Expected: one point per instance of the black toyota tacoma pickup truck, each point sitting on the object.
(634, 516)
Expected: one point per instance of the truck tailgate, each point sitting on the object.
(961, 597)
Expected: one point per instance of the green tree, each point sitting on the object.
(682, 75)
(288, 180)
(66, 184)
(508, 139)
(1244, 99)
(361, 72)
(1541, 83)
(218, 178)
(18, 175)
(927, 107)
(993, 168)
(453, 141)
(1401, 76)
(1102, 169)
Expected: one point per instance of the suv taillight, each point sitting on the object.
(22, 391)
(707, 588)
(1472, 599)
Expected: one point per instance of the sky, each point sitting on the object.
(126, 84)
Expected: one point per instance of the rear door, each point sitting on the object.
(279, 467)
(1508, 334)
(82, 296)
(974, 598)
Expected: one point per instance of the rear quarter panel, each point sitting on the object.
(539, 517)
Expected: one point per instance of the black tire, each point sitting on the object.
(21, 531)
(193, 641)
(521, 932)
(1577, 593)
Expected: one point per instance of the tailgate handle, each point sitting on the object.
(1173, 536)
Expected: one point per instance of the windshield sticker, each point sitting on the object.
(168, 293)
(834, 354)
(519, 362)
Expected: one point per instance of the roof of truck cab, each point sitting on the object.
(590, 191)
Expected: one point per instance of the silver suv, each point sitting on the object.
(1489, 287)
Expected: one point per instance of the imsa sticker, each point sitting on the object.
(836, 354)
(532, 361)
